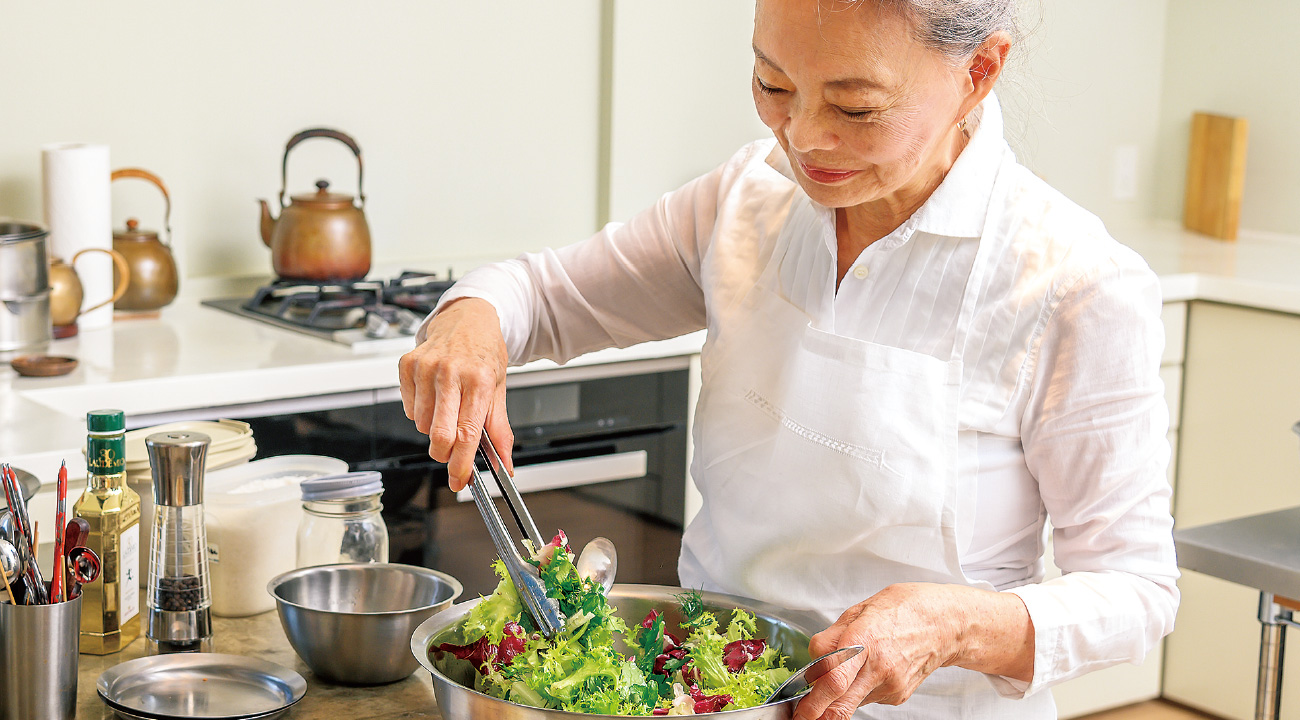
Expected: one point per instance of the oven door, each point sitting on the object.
(593, 457)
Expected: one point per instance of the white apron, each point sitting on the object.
(828, 467)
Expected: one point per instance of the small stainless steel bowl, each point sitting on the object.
(352, 623)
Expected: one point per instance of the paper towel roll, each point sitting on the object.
(79, 215)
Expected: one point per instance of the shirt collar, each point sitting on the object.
(957, 207)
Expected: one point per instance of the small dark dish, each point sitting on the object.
(43, 365)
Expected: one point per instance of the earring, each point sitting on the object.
(961, 125)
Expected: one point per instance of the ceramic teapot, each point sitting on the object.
(66, 292)
(153, 277)
(321, 236)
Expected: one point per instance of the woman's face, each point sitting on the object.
(863, 110)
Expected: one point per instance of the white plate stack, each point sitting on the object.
(232, 443)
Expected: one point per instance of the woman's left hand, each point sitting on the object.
(910, 630)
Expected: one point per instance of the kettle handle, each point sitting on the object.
(143, 174)
(123, 271)
(325, 133)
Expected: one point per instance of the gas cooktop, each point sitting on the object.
(360, 313)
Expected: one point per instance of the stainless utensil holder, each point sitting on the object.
(38, 660)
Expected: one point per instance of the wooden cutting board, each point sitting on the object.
(1216, 173)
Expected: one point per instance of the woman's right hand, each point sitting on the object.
(454, 384)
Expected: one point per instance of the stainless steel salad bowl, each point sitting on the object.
(787, 630)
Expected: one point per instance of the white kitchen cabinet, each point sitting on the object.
(1237, 456)
(1174, 317)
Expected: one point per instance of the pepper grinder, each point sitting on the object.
(180, 591)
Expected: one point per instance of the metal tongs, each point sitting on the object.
(545, 611)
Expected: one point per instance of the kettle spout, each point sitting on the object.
(268, 223)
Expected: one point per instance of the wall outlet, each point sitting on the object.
(1124, 180)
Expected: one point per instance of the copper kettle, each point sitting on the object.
(320, 236)
(154, 279)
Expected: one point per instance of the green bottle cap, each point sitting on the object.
(105, 421)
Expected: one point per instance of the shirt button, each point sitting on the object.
(860, 272)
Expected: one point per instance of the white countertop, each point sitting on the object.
(192, 357)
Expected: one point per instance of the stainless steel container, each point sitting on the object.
(24, 288)
(38, 660)
(787, 630)
(24, 263)
(351, 622)
(25, 323)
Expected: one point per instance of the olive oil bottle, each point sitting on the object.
(110, 606)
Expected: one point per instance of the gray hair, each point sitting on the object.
(957, 28)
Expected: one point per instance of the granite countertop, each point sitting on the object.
(261, 636)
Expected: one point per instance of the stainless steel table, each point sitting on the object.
(1262, 552)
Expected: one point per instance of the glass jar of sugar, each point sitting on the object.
(341, 520)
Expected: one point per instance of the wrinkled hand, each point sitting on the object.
(454, 385)
(910, 630)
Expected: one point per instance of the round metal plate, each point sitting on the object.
(130, 715)
(200, 685)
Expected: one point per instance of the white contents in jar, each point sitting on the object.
(252, 532)
(270, 483)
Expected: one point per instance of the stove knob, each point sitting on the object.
(376, 326)
(408, 321)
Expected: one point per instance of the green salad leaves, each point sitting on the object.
(497, 651)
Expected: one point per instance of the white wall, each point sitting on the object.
(681, 100)
(480, 126)
(1084, 85)
(476, 120)
(1236, 58)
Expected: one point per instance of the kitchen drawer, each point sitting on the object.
(1236, 457)
(1174, 316)
(1173, 458)
(1172, 377)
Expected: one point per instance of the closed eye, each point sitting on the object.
(765, 88)
(856, 113)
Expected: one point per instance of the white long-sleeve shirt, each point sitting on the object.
(1062, 412)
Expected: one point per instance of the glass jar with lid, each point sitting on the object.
(341, 520)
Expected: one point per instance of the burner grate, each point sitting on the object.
(382, 308)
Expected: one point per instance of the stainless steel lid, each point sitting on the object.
(11, 231)
(214, 686)
(177, 461)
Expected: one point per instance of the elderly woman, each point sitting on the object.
(917, 354)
